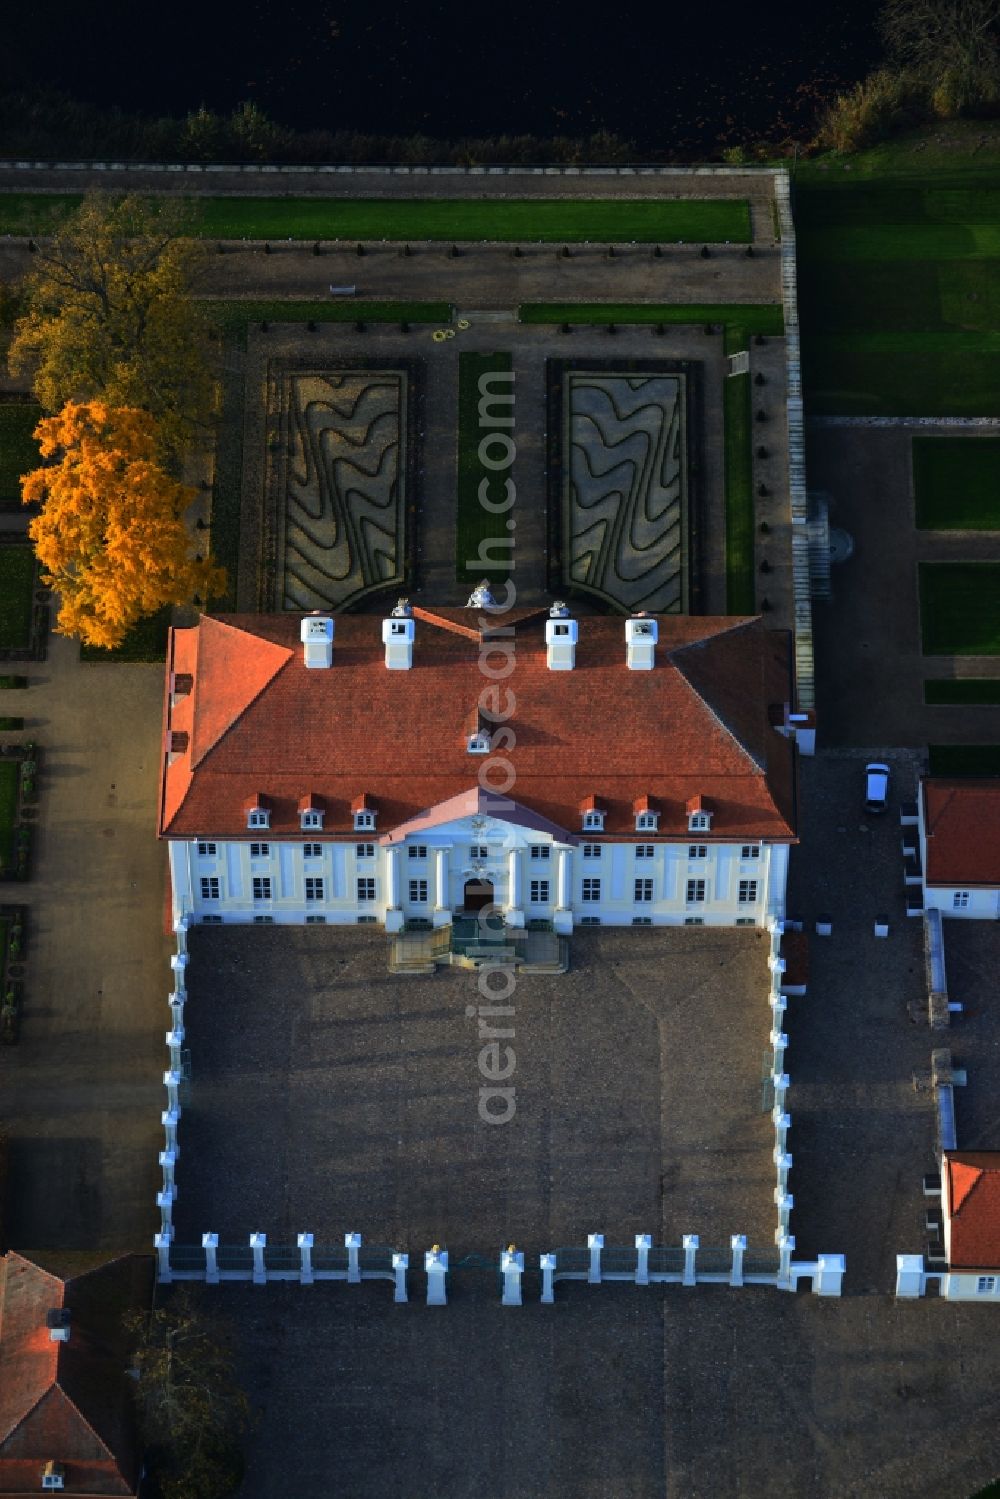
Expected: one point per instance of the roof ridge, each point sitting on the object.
(759, 765)
(272, 646)
(57, 1385)
(5, 1436)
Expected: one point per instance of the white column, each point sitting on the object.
(909, 1275)
(782, 1122)
(830, 1279)
(512, 1268)
(210, 1244)
(172, 1081)
(563, 915)
(514, 913)
(352, 1243)
(179, 963)
(783, 1165)
(442, 908)
(165, 1203)
(690, 1243)
(781, 1082)
(436, 1266)
(738, 1244)
(176, 1002)
(305, 1245)
(167, 1162)
(786, 1247)
(258, 1243)
(400, 1265)
(643, 1243)
(394, 912)
(595, 1243)
(181, 924)
(175, 1040)
(161, 1243)
(169, 1119)
(547, 1264)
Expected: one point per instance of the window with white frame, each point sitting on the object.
(541, 850)
(643, 890)
(260, 850)
(207, 850)
(314, 887)
(745, 921)
(315, 921)
(539, 892)
(258, 817)
(312, 819)
(697, 850)
(960, 900)
(592, 850)
(417, 850)
(262, 887)
(646, 822)
(699, 822)
(364, 850)
(209, 887)
(591, 889)
(695, 892)
(642, 921)
(211, 921)
(418, 892)
(750, 851)
(694, 921)
(593, 822)
(312, 850)
(747, 893)
(590, 921)
(366, 888)
(263, 921)
(644, 850)
(986, 1285)
(362, 820)
(479, 851)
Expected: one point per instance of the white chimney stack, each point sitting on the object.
(641, 635)
(397, 637)
(560, 639)
(316, 634)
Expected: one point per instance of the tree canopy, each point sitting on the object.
(111, 534)
(109, 315)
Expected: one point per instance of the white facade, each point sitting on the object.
(424, 875)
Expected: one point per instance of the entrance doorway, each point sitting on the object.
(477, 894)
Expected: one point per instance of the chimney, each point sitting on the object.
(397, 637)
(560, 639)
(57, 1322)
(178, 741)
(316, 634)
(641, 635)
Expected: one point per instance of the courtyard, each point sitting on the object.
(327, 1096)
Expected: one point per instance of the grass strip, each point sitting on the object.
(944, 691)
(9, 773)
(740, 592)
(145, 642)
(17, 584)
(956, 483)
(755, 317)
(234, 316)
(18, 449)
(964, 759)
(960, 608)
(549, 220)
(481, 410)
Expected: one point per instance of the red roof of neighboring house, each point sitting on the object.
(962, 826)
(67, 1402)
(972, 1201)
(697, 725)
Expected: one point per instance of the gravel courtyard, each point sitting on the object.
(328, 1096)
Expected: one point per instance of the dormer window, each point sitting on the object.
(646, 822)
(699, 815)
(593, 822)
(364, 811)
(53, 1477)
(311, 812)
(364, 819)
(258, 813)
(478, 743)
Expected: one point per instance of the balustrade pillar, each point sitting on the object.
(352, 1243)
(258, 1243)
(690, 1243)
(400, 1265)
(436, 1266)
(738, 1244)
(210, 1244)
(643, 1244)
(595, 1243)
(305, 1247)
(547, 1265)
(512, 1268)
(161, 1243)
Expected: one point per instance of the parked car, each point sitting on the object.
(876, 787)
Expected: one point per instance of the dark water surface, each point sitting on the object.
(663, 75)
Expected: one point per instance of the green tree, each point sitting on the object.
(192, 1414)
(110, 316)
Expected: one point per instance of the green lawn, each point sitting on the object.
(610, 220)
(964, 759)
(9, 772)
(762, 318)
(956, 483)
(960, 608)
(473, 524)
(740, 592)
(146, 641)
(948, 690)
(18, 449)
(17, 582)
(899, 295)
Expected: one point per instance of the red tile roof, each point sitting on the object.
(972, 1201)
(697, 725)
(67, 1401)
(962, 824)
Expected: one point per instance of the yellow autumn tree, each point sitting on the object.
(109, 315)
(111, 534)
